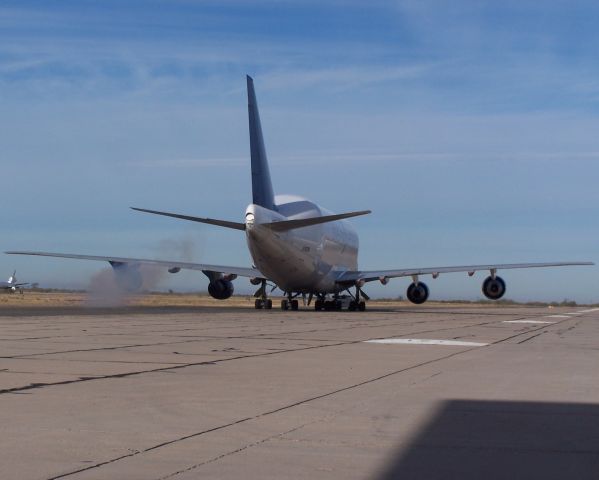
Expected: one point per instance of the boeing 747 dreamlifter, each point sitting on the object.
(300, 247)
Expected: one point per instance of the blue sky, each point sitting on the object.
(469, 128)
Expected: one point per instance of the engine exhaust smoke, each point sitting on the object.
(104, 290)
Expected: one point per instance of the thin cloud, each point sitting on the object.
(190, 163)
(342, 77)
(353, 157)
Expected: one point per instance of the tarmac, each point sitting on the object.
(468, 392)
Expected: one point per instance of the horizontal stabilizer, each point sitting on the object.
(211, 221)
(284, 225)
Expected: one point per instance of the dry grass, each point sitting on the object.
(80, 299)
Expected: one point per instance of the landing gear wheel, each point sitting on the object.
(268, 304)
(258, 304)
(284, 305)
(294, 305)
(362, 306)
(318, 305)
(353, 306)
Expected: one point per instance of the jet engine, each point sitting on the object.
(127, 276)
(417, 293)
(494, 288)
(220, 289)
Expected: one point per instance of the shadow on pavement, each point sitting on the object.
(488, 440)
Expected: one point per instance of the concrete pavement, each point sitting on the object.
(239, 393)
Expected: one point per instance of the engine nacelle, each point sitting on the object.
(127, 276)
(417, 293)
(220, 289)
(494, 288)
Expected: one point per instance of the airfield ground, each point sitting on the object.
(154, 391)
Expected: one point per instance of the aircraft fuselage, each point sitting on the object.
(305, 259)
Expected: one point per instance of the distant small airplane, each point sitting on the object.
(11, 285)
(300, 247)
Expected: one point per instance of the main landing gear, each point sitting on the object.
(262, 301)
(352, 303)
(335, 302)
(322, 304)
(290, 303)
(259, 304)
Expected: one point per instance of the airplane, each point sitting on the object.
(11, 284)
(297, 246)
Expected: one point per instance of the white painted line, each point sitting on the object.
(526, 321)
(589, 311)
(424, 341)
(572, 313)
(557, 316)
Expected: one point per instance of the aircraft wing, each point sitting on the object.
(349, 277)
(241, 271)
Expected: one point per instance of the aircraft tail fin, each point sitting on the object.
(262, 192)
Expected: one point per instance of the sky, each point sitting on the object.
(467, 127)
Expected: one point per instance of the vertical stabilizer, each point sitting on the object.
(262, 193)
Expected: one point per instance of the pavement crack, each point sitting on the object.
(531, 337)
(260, 415)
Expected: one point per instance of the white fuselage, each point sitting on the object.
(307, 259)
(9, 285)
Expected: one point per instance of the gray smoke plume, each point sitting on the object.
(104, 290)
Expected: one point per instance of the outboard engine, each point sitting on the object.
(127, 276)
(417, 293)
(220, 289)
(494, 288)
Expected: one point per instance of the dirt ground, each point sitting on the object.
(81, 299)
